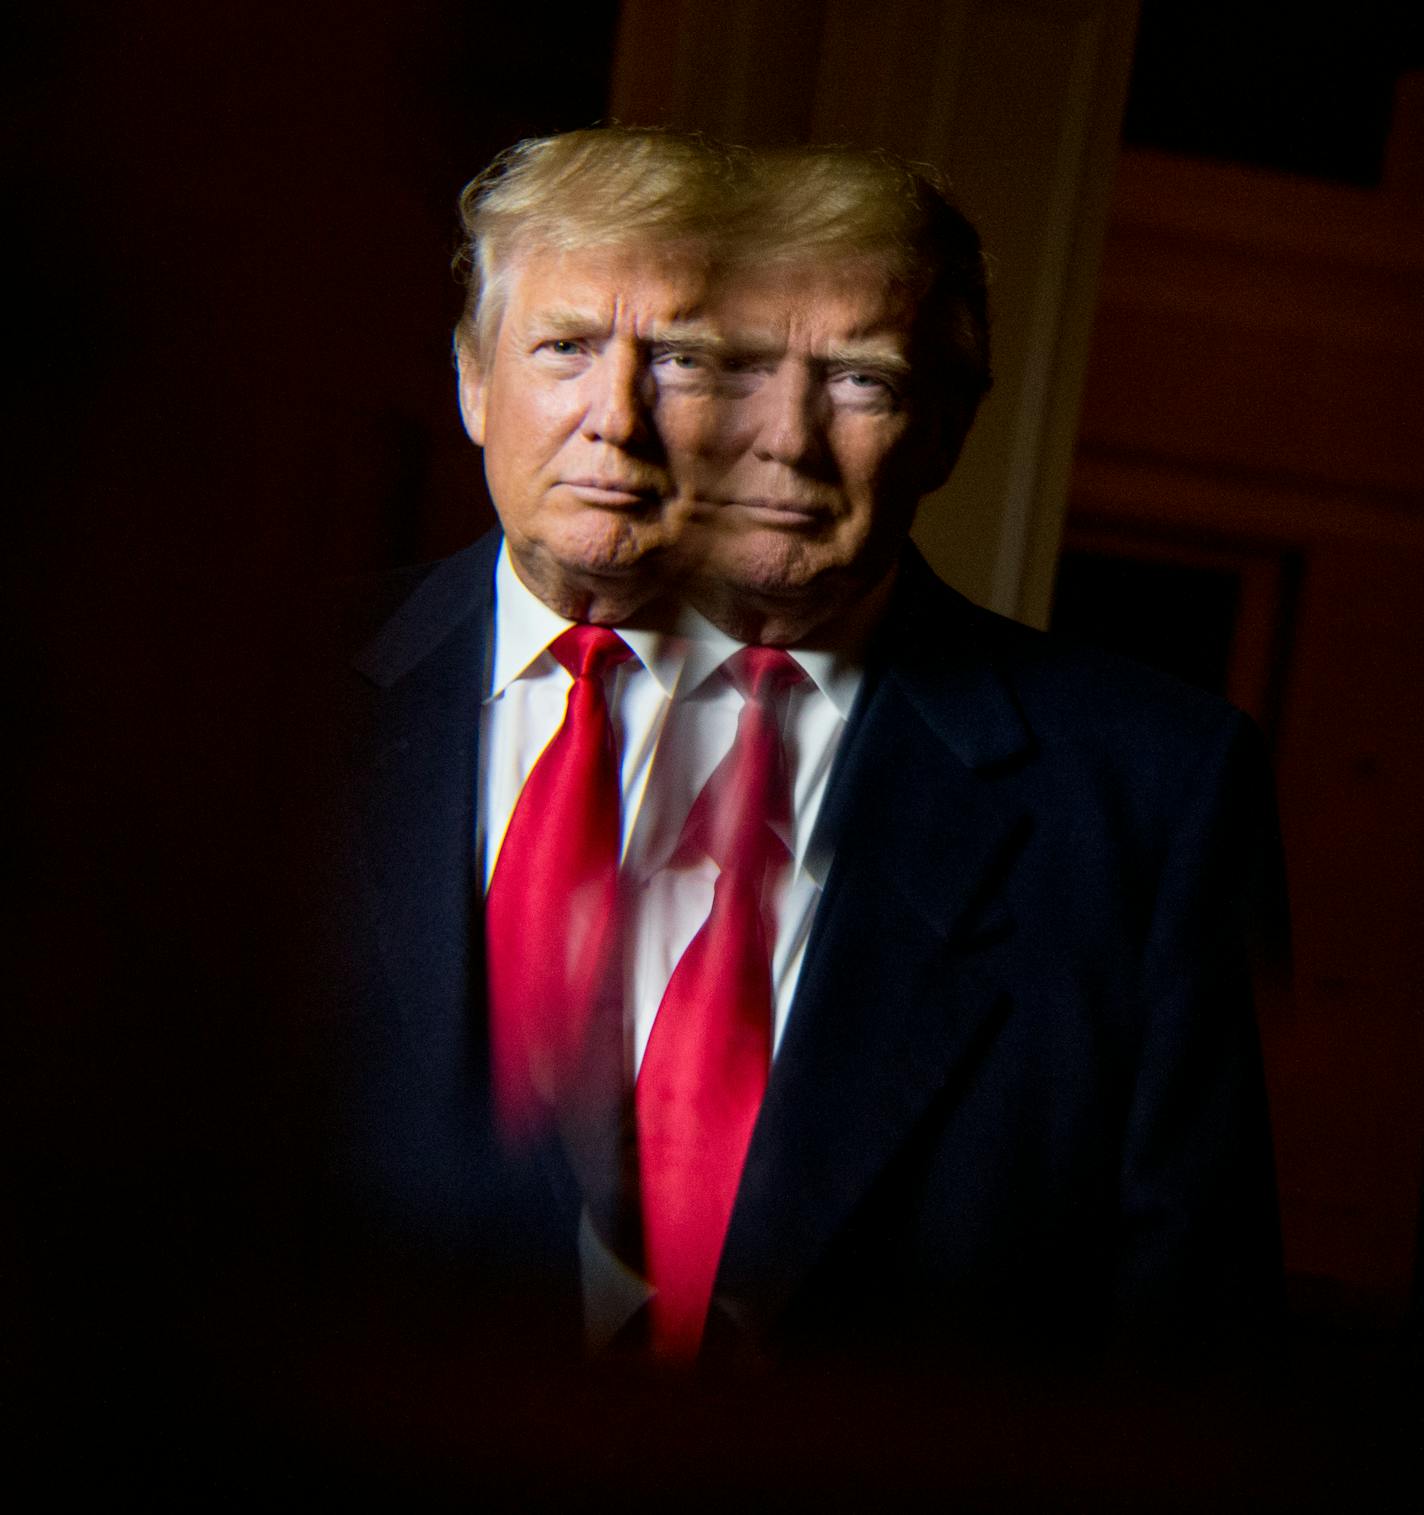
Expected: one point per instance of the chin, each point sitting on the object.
(603, 544)
(779, 565)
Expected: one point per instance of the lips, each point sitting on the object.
(598, 490)
(789, 512)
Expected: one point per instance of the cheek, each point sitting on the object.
(525, 428)
(513, 457)
(865, 457)
(880, 480)
(698, 425)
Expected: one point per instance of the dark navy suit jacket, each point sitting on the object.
(1019, 1100)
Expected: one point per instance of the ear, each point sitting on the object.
(472, 392)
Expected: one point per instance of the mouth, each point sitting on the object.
(778, 512)
(616, 494)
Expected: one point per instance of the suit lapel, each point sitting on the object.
(891, 1004)
(429, 666)
(431, 1154)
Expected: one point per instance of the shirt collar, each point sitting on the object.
(835, 671)
(525, 626)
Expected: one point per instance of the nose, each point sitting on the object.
(617, 411)
(790, 426)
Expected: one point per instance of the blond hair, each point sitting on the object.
(610, 186)
(686, 195)
(822, 204)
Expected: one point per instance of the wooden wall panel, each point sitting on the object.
(1257, 386)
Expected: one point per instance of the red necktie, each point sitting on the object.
(551, 922)
(705, 1068)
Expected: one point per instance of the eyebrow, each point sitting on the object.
(564, 320)
(873, 356)
(867, 355)
(676, 335)
(686, 336)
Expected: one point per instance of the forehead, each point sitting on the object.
(814, 306)
(606, 286)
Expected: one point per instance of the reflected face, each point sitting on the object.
(564, 407)
(817, 441)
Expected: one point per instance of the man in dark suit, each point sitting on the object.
(1011, 1094)
(588, 263)
(1019, 1096)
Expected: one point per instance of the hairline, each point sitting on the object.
(497, 287)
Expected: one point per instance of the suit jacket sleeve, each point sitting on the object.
(1200, 1251)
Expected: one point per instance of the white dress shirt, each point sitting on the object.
(671, 904)
(675, 716)
(529, 690)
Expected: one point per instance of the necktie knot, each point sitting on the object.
(590, 651)
(762, 673)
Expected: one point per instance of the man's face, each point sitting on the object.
(563, 407)
(817, 443)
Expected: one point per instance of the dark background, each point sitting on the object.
(1304, 89)
(229, 310)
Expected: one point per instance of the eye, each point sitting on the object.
(562, 357)
(682, 370)
(679, 360)
(865, 387)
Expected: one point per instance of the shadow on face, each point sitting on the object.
(806, 439)
(756, 442)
